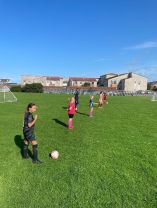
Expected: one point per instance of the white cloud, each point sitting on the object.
(150, 44)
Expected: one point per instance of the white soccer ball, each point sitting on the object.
(54, 154)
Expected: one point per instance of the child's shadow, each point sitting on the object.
(19, 143)
(59, 122)
(84, 114)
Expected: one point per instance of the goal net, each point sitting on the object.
(154, 97)
(6, 95)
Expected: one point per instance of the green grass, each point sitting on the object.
(109, 160)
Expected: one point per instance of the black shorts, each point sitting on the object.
(71, 115)
(76, 102)
(29, 136)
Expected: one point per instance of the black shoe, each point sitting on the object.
(26, 157)
(37, 161)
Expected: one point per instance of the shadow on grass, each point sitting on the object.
(59, 122)
(65, 107)
(19, 143)
(84, 114)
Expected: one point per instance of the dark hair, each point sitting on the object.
(30, 105)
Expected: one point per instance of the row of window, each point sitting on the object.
(77, 82)
(117, 81)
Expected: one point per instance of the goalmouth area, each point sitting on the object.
(6, 95)
(109, 160)
(154, 97)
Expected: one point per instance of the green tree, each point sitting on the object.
(86, 84)
(16, 88)
(149, 86)
(154, 88)
(35, 87)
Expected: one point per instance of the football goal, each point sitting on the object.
(154, 97)
(6, 95)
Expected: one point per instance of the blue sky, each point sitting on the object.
(78, 37)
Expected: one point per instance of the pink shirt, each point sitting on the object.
(71, 108)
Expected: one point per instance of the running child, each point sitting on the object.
(91, 106)
(71, 112)
(28, 132)
(101, 99)
(76, 99)
(105, 98)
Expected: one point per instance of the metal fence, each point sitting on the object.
(96, 91)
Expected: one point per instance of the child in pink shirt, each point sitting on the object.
(71, 112)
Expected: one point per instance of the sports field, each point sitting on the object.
(107, 161)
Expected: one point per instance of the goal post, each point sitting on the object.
(6, 95)
(154, 97)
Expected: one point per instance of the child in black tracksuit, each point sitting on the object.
(28, 132)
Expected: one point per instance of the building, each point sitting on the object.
(27, 79)
(54, 81)
(82, 81)
(3, 80)
(127, 82)
(50, 81)
(44, 80)
(65, 82)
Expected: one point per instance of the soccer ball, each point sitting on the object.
(54, 154)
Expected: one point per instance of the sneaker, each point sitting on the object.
(71, 128)
(37, 161)
(26, 157)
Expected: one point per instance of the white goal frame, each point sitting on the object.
(5, 90)
(154, 97)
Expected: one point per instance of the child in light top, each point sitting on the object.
(91, 106)
(100, 99)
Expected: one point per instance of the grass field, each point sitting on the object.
(109, 160)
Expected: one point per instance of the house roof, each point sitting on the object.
(112, 77)
(53, 78)
(83, 79)
(124, 74)
(138, 74)
(111, 74)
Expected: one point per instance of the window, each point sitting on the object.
(113, 82)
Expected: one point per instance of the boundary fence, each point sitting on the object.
(95, 91)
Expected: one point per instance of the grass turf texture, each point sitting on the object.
(109, 160)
